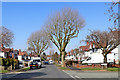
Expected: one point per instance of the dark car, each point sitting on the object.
(46, 62)
(34, 65)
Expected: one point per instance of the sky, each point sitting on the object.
(23, 18)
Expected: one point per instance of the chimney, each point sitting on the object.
(13, 55)
(87, 43)
(1, 45)
(92, 45)
(12, 49)
(19, 50)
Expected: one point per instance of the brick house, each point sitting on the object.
(6, 52)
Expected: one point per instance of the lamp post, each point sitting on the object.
(114, 59)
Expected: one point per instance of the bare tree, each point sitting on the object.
(62, 27)
(6, 36)
(55, 56)
(113, 12)
(105, 40)
(76, 52)
(38, 42)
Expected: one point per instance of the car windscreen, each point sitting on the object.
(20, 63)
(36, 60)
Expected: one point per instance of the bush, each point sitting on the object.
(68, 63)
(16, 62)
(9, 61)
(76, 62)
(1, 62)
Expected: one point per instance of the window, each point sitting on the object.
(36, 60)
(89, 58)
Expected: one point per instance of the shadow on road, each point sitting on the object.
(25, 76)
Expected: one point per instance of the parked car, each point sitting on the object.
(50, 61)
(34, 65)
(21, 65)
(46, 62)
(38, 62)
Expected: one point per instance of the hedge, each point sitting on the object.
(8, 61)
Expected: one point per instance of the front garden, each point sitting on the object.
(88, 67)
(8, 64)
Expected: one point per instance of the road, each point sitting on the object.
(47, 72)
(51, 72)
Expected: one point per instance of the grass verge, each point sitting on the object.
(4, 71)
(62, 68)
(109, 69)
(58, 65)
(113, 69)
(91, 68)
(24, 69)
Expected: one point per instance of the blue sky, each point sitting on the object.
(23, 18)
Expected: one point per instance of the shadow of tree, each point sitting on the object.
(25, 76)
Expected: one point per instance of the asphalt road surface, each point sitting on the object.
(47, 72)
(51, 72)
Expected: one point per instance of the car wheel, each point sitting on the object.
(30, 68)
(40, 66)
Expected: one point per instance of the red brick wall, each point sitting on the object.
(97, 65)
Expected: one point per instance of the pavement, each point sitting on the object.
(92, 74)
(52, 72)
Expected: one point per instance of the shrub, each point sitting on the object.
(8, 61)
(68, 63)
(15, 62)
(75, 62)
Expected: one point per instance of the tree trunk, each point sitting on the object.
(105, 62)
(105, 59)
(63, 65)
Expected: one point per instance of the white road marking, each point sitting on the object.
(69, 75)
(76, 76)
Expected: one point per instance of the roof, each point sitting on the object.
(23, 53)
(84, 48)
(49, 56)
(72, 51)
(87, 47)
(5, 49)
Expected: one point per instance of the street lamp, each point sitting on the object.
(114, 58)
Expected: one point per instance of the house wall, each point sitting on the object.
(2, 54)
(96, 58)
(19, 57)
